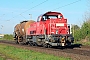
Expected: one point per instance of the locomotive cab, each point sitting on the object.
(53, 22)
(46, 17)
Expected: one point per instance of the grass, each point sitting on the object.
(83, 43)
(23, 54)
(86, 43)
(2, 58)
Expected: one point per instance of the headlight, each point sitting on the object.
(63, 39)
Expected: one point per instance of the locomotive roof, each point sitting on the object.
(23, 21)
(52, 13)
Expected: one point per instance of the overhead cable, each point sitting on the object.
(67, 5)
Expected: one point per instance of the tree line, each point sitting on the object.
(82, 32)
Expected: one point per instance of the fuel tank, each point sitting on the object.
(20, 29)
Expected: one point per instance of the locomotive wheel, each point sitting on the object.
(49, 46)
(31, 44)
(45, 45)
(34, 44)
(27, 43)
(16, 41)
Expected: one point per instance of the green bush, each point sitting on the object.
(82, 33)
(7, 37)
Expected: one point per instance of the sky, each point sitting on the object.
(12, 12)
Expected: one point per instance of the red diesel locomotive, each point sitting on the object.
(51, 29)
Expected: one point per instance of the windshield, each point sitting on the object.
(45, 17)
(51, 17)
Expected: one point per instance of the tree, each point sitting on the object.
(76, 32)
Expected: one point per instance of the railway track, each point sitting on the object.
(75, 53)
